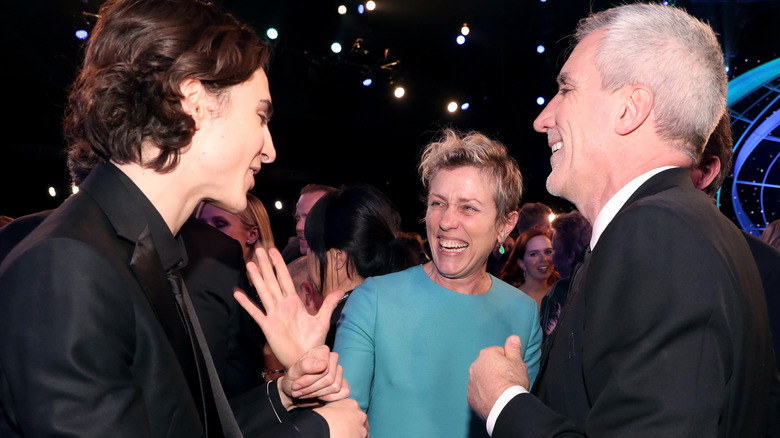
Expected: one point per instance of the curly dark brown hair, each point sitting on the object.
(127, 94)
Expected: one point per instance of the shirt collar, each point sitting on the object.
(616, 202)
(169, 247)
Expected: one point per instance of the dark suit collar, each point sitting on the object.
(664, 180)
(131, 212)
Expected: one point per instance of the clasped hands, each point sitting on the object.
(297, 339)
(496, 370)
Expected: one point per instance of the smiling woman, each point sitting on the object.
(406, 340)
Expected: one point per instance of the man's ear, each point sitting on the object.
(708, 170)
(637, 104)
(193, 102)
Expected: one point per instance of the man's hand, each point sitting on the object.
(316, 376)
(288, 327)
(495, 370)
(345, 419)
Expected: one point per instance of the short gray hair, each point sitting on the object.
(673, 53)
(453, 150)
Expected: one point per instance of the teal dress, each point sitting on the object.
(406, 345)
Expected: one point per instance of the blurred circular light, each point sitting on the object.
(399, 92)
(342, 9)
(335, 47)
(370, 5)
(465, 106)
(460, 39)
(540, 49)
(540, 100)
(278, 205)
(465, 29)
(82, 34)
(361, 8)
(367, 82)
(452, 107)
(52, 192)
(272, 33)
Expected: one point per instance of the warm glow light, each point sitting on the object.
(551, 217)
(399, 92)
(465, 29)
(342, 9)
(52, 192)
(74, 189)
(452, 107)
(370, 5)
(278, 205)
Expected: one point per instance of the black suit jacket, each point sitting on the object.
(214, 268)
(91, 342)
(665, 332)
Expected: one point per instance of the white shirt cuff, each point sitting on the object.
(507, 395)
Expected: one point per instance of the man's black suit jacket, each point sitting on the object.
(85, 346)
(665, 332)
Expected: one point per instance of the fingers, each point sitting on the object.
(329, 381)
(250, 306)
(513, 348)
(283, 277)
(329, 305)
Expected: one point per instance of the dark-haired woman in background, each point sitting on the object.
(352, 235)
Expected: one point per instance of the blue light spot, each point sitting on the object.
(465, 106)
(367, 82)
(361, 8)
(540, 49)
(540, 100)
(82, 34)
(460, 39)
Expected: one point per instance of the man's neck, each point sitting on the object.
(164, 191)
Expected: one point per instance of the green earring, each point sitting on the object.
(501, 249)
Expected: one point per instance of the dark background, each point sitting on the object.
(327, 126)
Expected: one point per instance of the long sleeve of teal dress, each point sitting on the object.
(406, 345)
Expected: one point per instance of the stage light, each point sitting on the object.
(361, 8)
(82, 34)
(342, 9)
(52, 192)
(452, 107)
(335, 47)
(278, 205)
(74, 189)
(370, 5)
(465, 29)
(551, 217)
(399, 92)
(272, 33)
(540, 49)
(540, 100)
(367, 82)
(460, 40)
(465, 106)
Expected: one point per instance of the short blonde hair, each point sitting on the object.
(453, 150)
